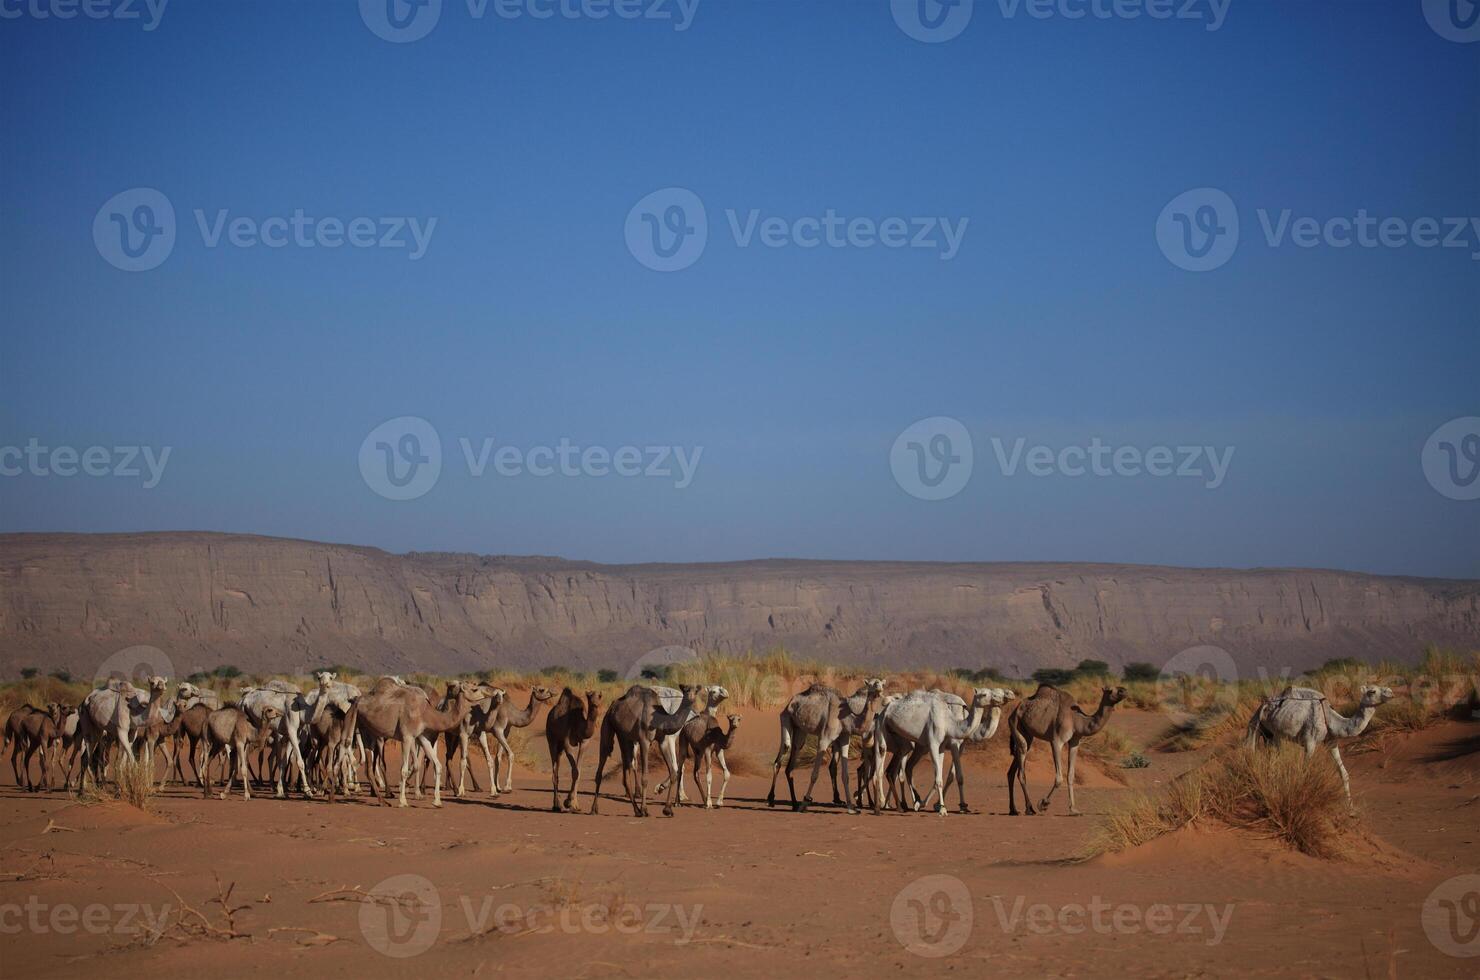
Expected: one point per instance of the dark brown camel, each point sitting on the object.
(570, 725)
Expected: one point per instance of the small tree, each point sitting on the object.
(607, 676)
(554, 669)
(62, 674)
(1053, 675)
(1140, 672)
(1092, 668)
(658, 672)
(988, 674)
(29, 672)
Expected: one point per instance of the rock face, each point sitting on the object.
(270, 604)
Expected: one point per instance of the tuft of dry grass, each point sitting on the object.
(128, 782)
(1275, 793)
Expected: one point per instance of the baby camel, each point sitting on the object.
(1052, 715)
(1302, 714)
(707, 747)
(230, 730)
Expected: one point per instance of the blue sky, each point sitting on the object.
(528, 320)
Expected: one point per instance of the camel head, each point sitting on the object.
(541, 693)
(1372, 696)
(157, 685)
(984, 697)
(1004, 694)
(1112, 696)
(496, 695)
(325, 678)
(593, 701)
(875, 686)
(472, 690)
(734, 720)
(715, 694)
(58, 712)
(689, 691)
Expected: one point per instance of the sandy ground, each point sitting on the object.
(506, 887)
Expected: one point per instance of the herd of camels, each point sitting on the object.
(323, 739)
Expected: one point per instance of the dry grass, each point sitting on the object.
(127, 782)
(1275, 793)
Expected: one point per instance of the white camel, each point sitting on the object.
(931, 723)
(107, 716)
(1302, 715)
(294, 713)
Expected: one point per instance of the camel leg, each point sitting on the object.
(823, 754)
(937, 759)
(205, 773)
(642, 755)
(575, 776)
(724, 779)
(15, 763)
(431, 754)
(1346, 783)
(490, 759)
(406, 745)
(26, 768)
(1073, 754)
(960, 775)
(507, 752)
(1057, 748)
(226, 751)
(783, 749)
(607, 735)
(832, 770)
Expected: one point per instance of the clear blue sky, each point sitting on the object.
(528, 320)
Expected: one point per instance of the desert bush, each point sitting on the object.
(1092, 668)
(1057, 676)
(1138, 671)
(1135, 761)
(607, 676)
(1276, 793)
(29, 672)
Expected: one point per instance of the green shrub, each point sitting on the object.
(1053, 675)
(62, 674)
(1139, 671)
(29, 672)
(1092, 668)
(607, 676)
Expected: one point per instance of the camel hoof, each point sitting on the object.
(964, 808)
(668, 811)
(1043, 804)
(770, 801)
(941, 810)
(853, 809)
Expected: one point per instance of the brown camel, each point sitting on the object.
(406, 714)
(704, 740)
(230, 731)
(1052, 715)
(33, 730)
(569, 725)
(332, 732)
(633, 721)
(824, 712)
(499, 722)
(191, 737)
